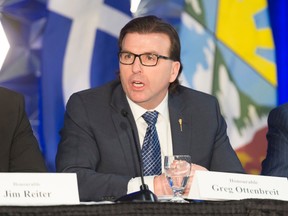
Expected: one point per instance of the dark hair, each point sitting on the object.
(153, 24)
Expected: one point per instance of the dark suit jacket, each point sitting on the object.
(276, 162)
(97, 141)
(19, 150)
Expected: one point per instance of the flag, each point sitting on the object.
(79, 51)
(228, 51)
(279, 21)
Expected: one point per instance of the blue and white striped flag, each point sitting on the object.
(79, 52)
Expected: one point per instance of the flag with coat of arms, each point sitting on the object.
(228, 51)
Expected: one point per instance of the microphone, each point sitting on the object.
(144, 195)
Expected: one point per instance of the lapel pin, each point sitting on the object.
(180, 123)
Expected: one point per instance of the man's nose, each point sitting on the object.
(136, 66)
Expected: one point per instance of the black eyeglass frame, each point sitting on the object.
(139, 56)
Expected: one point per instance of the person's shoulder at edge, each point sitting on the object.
(8, 92)
(12, 100)
(281, 109)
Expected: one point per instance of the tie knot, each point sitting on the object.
(150, 117)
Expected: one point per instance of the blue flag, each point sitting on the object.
(278, 16)
(79, 52)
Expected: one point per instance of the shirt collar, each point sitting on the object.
(138, 111)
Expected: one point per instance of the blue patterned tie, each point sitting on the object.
(151, 154)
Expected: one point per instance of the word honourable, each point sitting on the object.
(231, 186)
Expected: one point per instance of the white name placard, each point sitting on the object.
(231, 186)
(38, 189)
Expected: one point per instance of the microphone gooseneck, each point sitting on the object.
(125, 114)
(144, 194)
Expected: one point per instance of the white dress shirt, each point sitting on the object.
(164, 134)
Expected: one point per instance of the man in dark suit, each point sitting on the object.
(276, 161)
(19, 150)
(97, 138)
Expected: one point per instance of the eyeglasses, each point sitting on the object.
(146, 59)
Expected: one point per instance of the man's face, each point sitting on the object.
(147, 86)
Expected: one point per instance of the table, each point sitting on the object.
(235, 208)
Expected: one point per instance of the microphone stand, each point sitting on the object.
(144, 195)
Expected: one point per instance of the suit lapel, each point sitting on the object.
(123, 128)
(180, 125)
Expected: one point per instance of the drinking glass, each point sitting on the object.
(177, 171)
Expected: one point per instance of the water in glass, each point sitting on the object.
(177, 171)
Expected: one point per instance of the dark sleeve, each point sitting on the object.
(276, 162)
(25, 155)
(79, 152)
(224, 158)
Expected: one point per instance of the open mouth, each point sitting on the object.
(137, 84)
